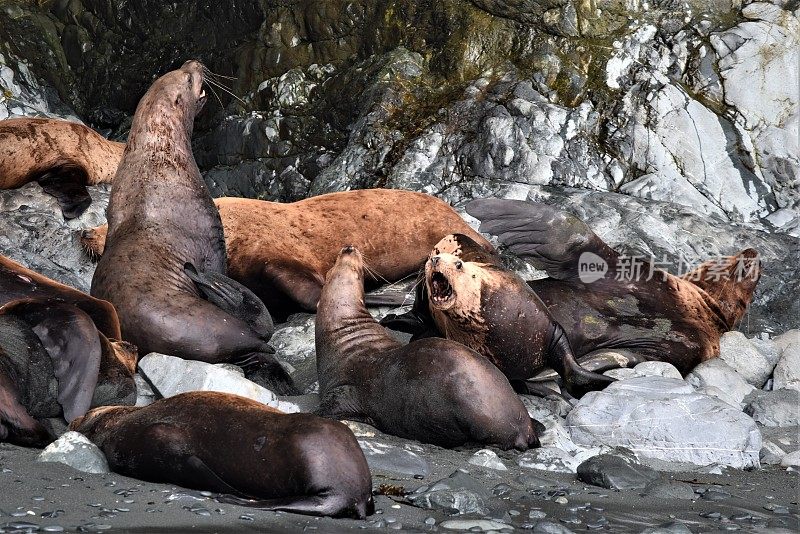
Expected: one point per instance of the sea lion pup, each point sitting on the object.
(610, 322)
(54, 363)
(62, 156)
(164, 263)
(282, 251)
(230, 444)
(432, 390)
(19, 282)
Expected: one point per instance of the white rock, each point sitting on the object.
(665, 419)
(716, 377)
(479, 525)
(780, 407)
(75, 450)
(144, 393)
(744, 356)
(664, 369)
(170, 376)
(488, 459)
(787, 371)
(791, 460)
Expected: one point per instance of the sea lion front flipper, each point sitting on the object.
(68, 185)
(597, 361)
(72, 341)
(231, 296)
(266, 371)
(206, 478)
(295, 282)
(340, 403)
(549, 239)
(577, 380)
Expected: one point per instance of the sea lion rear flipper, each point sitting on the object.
(549, 239)
(232, 297)
(266, 371)
(68, 185)
(72, 341)
(333, 505)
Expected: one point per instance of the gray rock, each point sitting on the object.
(75, 450)
(169, 375)
(787, 371)
(774, 408)
(548, 459)
(669, 489)
(664, 369)
(675, 527)
(294, 344)
(744, 356)
(771, 453)
(456, 495)
(385, 457)
(615, 472)
(791, 460)
(718, 379)
(622, 373)
(665, 419)
(475, 525)
(144, 393)
(488, 459)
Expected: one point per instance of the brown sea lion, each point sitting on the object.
(230, 444)
(432, 390)
(282, 251)
(62, 156)
(164, 263)
(609, 322)
(18, 282)
(54, 363)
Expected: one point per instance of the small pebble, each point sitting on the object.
(537, 514)
(561, 500)
(430, 521)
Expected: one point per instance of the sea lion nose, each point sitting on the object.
(434, 260)
(348, 249)
(86, 234)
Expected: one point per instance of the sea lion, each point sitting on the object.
(282, 251)
(230, 444)
(62, 156)
(19, 282)
(612, 323)
(432, 390)
(54, 363)
(164, 263)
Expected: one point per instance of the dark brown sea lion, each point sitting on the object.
(229, 444)
(62, 156)
(432, 390)
(54, 363)
(282, 251)
(164, 263)
(18, 282)
(656, 316)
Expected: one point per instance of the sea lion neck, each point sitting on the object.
(344, 327)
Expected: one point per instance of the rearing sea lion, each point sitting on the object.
(433, 390)
(164, 263)
(62, 156)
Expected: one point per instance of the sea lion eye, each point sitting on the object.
(459, 265)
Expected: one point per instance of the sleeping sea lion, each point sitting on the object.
(54, 363)
(230, 444)
(62, 156)
(433, 390)
(164, 263)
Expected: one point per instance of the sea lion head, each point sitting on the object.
(467, 249)
(177, 95)
(454, 283)
(349, 258)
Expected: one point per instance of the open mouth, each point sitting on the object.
(441, 290)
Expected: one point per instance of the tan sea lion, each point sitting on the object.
(230, 444)
(282, 251)
(54, 363)
(164, 263)
(62, 156)
(433, 390)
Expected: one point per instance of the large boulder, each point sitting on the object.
(75, 450)
(787, 371)
(665, 419)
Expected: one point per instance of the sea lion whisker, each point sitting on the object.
(216, 95)
(222, 87)
(208, 71)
